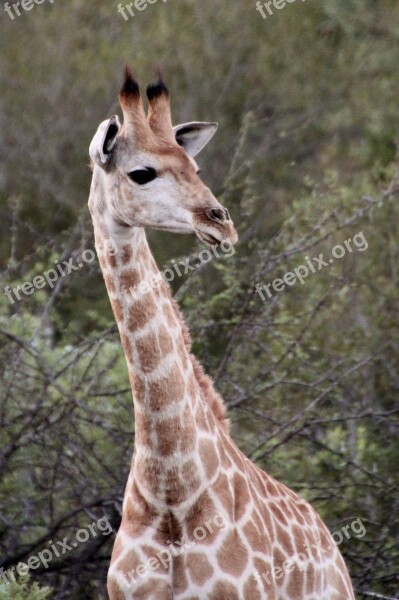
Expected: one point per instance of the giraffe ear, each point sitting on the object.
(104, 141)
(193, 137)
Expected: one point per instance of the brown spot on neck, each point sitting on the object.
(127, 253)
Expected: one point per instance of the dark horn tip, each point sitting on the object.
(154, 90)
(130, 86)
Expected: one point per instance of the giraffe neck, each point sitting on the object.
(177, 429)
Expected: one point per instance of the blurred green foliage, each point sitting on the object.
(24, 589)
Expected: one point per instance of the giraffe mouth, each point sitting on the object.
(207, 238)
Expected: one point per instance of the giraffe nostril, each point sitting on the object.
(216, 214)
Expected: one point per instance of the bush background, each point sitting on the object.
(305, 157)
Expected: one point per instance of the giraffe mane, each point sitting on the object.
(210, 395)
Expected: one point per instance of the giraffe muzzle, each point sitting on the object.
(214, 225)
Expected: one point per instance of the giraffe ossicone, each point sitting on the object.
(200, 521)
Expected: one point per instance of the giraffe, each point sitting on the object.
(200, 521)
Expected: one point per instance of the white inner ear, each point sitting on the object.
(100, 148)
(194, 136)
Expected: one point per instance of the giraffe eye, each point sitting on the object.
(142, 176)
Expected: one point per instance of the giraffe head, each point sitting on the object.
(148, 172)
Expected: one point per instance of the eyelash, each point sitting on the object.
(143, 176)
